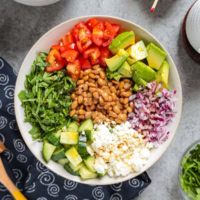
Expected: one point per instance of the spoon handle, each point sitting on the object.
(6, 181)
(2, 147)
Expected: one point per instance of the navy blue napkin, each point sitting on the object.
(32, 178)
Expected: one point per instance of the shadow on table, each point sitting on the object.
(163, 8)
(27, 21)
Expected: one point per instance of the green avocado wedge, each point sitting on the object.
(163, 74)
(131, 61)
(116, 61)
(138, 80)
(122, 41)
(125, 70)
(156, 56)
(143, 71)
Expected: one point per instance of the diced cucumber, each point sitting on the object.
(89, 162)
(66, 146)
(86, 125)
(47, 151)
(73, 127)
(90, 135)
(54, 138)
(82, 143)
(73, 156)
(58, 154)
(64, 129)
(69, 138)
(85, 173)
(77, 167)
(70, 170)
(63, 161)
(100, 174)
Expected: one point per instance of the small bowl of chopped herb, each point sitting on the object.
(189, 172)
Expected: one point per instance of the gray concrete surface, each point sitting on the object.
(21, 26)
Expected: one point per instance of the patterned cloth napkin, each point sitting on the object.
(34, 179)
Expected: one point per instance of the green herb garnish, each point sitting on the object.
(190, 176)
(46, 100)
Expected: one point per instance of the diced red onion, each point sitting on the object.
(153, 111)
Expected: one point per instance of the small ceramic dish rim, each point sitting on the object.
(186, 152)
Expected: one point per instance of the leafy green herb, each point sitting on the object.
(113, 75)
(46, 100)
(190, 176)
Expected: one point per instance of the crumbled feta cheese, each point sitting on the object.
(119, 150)
(90, 150)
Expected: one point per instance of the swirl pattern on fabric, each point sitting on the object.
(32, 177)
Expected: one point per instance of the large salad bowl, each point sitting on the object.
(44, 44)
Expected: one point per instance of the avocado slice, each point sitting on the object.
(131, 61)
(143, 71)
(138, 51)
(163, 74)
(156, 56)
(116, 61)
(122, 41)
(135, 88)
(125, 70)
(138, 80)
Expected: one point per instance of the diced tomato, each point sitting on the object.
(67, 47)
(84, 32)
(70, 55)
(108, 34)
(100, 25)
(56, 66)
(85, 63)
(67, 39)
(97, 33)
(73, 70)
(94, 61)
(55, 60)
(79, 46)
(91, 23)
(105, 53)
(53, 55)
(75, 33)
(57, 47)
(82, 47)
(83, 36)
(109, 31)
(116, 28)
(92, 52)
(87, 45)
(107, 43)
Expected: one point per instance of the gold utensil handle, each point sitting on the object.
(6, 181)
(2, 147)
(18, 195)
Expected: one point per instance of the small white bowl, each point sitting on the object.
(36, 2)
(193, 26)
(44, 44)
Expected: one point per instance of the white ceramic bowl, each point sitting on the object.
(36, 2)
(193, 26)
(44, 44)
